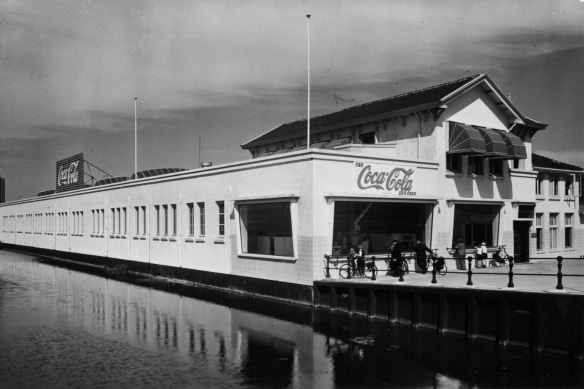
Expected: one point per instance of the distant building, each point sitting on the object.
(2, 190)
(559, 209)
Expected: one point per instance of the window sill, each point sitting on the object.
(453, 174)
(554, 198)
(220, 240)
(172, 239)
(496, 177)
(200, 240)
(156, 238)
(264, 257)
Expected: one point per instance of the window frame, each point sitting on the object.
(293, 202)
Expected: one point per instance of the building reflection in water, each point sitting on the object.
(223, 340)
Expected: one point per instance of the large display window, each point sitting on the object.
(375, 225)
(266, 228)
(475, 224)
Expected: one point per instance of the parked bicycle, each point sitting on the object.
(369, 270)
(500, 257)
(403, 266)
(436, 262)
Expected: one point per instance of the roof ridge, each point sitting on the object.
(469, 78)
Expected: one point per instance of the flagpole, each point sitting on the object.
(308, 109)
(135, 139)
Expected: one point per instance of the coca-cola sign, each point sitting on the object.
(70, 173)
(394, 179)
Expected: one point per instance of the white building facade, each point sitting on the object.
(440, 164)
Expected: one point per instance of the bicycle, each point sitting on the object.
(348, 271)
(433, 261)
(403, 266)
(500, 257)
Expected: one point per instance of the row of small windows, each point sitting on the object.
(165, 221)
(553, 228)
(572, 185)
(30, 223)
(476, 165)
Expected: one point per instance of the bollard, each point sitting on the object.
(469, 282)
(401, 272)
(510, 284)
(560, 286)
(328, 259)
(434, 276)
(373, 270)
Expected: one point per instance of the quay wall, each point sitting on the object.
(553, 322)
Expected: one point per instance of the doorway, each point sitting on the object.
(521, 240)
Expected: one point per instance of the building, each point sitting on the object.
(2, 190)
(559, 209)
(448, 162)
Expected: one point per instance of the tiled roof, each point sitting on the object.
(539, 161)
(396, 103)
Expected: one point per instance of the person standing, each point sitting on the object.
(421, 249)
(459, 254)
(396, 258)
(482, 255)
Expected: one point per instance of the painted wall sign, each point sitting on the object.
(394, 179)
(70, 173)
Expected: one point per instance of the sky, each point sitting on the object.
(210, 75)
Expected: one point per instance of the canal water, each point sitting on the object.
(69, 327)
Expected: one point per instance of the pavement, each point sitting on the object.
(535, 276)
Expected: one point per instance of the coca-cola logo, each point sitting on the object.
(68, 175)
(397, 180)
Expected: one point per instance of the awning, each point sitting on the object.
(465, 140)
(494, 143)
(515, 147)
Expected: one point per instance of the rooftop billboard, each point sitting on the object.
(70, 173)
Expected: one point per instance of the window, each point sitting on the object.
(496, 167)
(191, 208)
(568, 230)
(113, 231)
(124, 221)
(539, 184)
(553, 230)
(568, 186)
(174, 219)
(266, 229)
(454, 163)
(539, 231)
(525, 211)
(157, 208)
(476, 165)
(137, 215)
(367, 138)
(144, 220)
(221, 209)
(201, 219)
(554, 185)
(165, 216)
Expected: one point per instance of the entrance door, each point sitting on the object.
(521, 240)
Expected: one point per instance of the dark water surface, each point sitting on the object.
(61, 327)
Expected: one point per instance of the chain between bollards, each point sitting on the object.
(469, 282)
(510, 284)
(560, 286)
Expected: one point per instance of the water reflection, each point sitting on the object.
(64, 328)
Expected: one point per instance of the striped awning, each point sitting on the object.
(515, 146)
(465, 140)
(494, 143)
